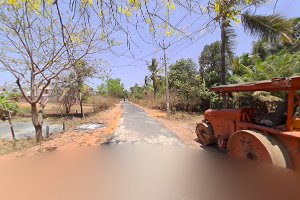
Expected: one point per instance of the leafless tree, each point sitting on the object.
(39, 44)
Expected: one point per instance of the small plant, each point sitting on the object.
(8, 106)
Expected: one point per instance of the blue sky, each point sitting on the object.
(133, 70)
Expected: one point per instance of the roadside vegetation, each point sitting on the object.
(190, 81)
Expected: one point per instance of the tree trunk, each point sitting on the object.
(187, 102)
(155, 89)
(223, 58)
(68, 109)
(81, 108)
(11, 125)
(37, 122)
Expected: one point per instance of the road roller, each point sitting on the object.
(247, 133)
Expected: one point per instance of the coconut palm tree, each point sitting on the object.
(155, 75)
(268, 27)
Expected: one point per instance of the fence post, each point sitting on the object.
(47, 131)
(64, 126)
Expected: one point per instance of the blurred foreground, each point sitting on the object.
(143, 171)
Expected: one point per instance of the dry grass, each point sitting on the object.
(53, 108)
(150, 102)
(70, 139)
(94, 104)
(176, 104)
(97, 104)
(7, 146)
(102, 102)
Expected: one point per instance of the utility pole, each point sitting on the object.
(164, 48)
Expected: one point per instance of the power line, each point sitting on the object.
(156, 51)
(179, 50)
(137, 60)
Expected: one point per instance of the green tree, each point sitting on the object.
(155, 75)
(102, 89)
(210, 63)
(185, 82)
(8, 106)
(82, 72)
(69, 97)
(282, 64)
(297, 28)
(137, 92)
(115, 88)
(267, 27)
(74, 87)
(266, 48)
(126, 94)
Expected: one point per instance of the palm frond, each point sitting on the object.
(230, 39)
(153, 67)
(269, 27)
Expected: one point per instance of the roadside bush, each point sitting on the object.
(200, 102)
(150, 102)
(100, 102)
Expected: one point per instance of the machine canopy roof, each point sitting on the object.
(275, 84)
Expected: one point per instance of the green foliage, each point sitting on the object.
(210, 63)
(283, 64)
(126, 94)
(7, 104)
(75, 88)
(270, 27)
(183, 75)
(102, 89)
(155, 76)
(264, 49)
(137, 92)
(115, 88)
(297, 28)
(82, 71)
(267, 27)
(186, 84)
(112, 88)
(15, 96)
